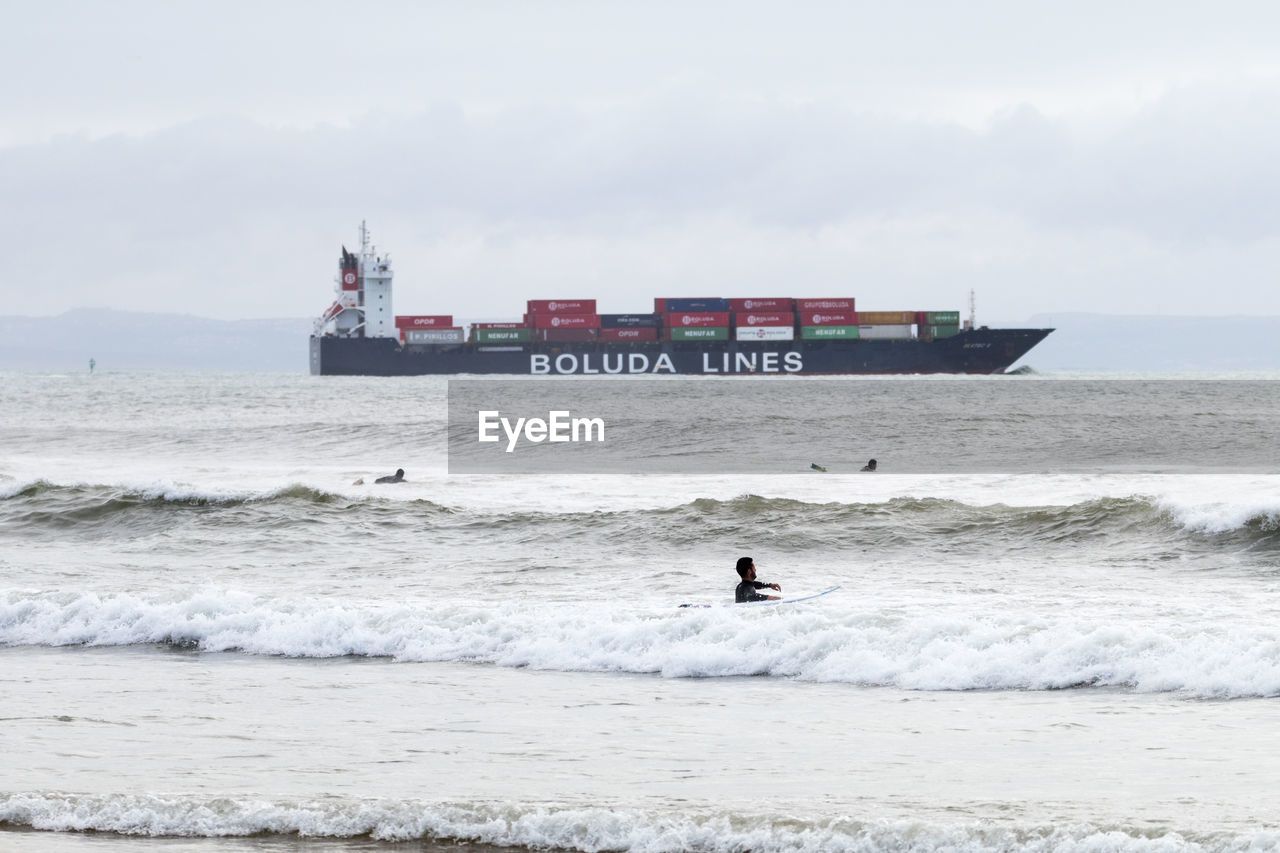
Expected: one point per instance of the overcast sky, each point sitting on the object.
(211, 157)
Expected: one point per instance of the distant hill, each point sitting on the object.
(125, 340)
(1120, 342)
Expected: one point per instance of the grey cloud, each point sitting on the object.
(1183, 170)
(197, 213)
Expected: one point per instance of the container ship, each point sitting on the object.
(360, 335)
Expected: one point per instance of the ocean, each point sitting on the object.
(1057, 628)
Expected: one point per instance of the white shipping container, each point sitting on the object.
(766, 333)
(883, 332)
(433, 336)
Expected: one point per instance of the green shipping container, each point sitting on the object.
(501, 336)
(945, 331)
(942, 318)
(699, 333)
(818, 333)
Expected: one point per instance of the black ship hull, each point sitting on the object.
(977, 351)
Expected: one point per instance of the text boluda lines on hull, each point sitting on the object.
(358, 335)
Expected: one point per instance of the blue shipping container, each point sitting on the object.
(629, 321)
(677, 305)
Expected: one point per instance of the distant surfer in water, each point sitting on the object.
(746, 590)
(870, 466)
(397, 477)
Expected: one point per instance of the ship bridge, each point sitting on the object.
(362, 307)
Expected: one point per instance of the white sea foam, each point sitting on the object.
(1225, 514)
(921, 650)
(585, 828)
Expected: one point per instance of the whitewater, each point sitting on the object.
(1058, 626)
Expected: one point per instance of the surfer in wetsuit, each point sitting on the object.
(397, 477)
(746, 590)
(870, 466)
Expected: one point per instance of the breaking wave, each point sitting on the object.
(916, 651)
(585, 828)
(42, 508)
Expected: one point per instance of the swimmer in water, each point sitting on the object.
(746, 590)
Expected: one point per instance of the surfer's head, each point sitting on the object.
(745, 565)
(400, 473)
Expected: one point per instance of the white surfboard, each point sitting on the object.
(768, 603)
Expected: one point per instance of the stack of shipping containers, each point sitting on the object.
(562, 320)
(827, 319)
(429, 329)
(764, 319)
(886, 324)
(694, 319)
(937, 324)
(626, 328)
(499, 333)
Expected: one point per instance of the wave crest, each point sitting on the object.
(41, 505)
(914, 651)
(584, 828)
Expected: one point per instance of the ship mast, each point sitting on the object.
(972, 322)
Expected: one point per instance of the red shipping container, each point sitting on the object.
(697, 318)
(425, 321)
(564, 335)
(751, 318)
(561, 306)
(786, 306)
(824, 305)
(497, 325)
(565, 321)
(829, 318)
(632, 334)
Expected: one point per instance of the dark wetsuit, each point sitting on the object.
(746, 591)
(392, 478)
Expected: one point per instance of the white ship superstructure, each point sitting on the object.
(363, 307)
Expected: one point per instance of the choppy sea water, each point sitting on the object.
(1058, 627)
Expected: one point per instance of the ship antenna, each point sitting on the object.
(364, 238)
(973, 311)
